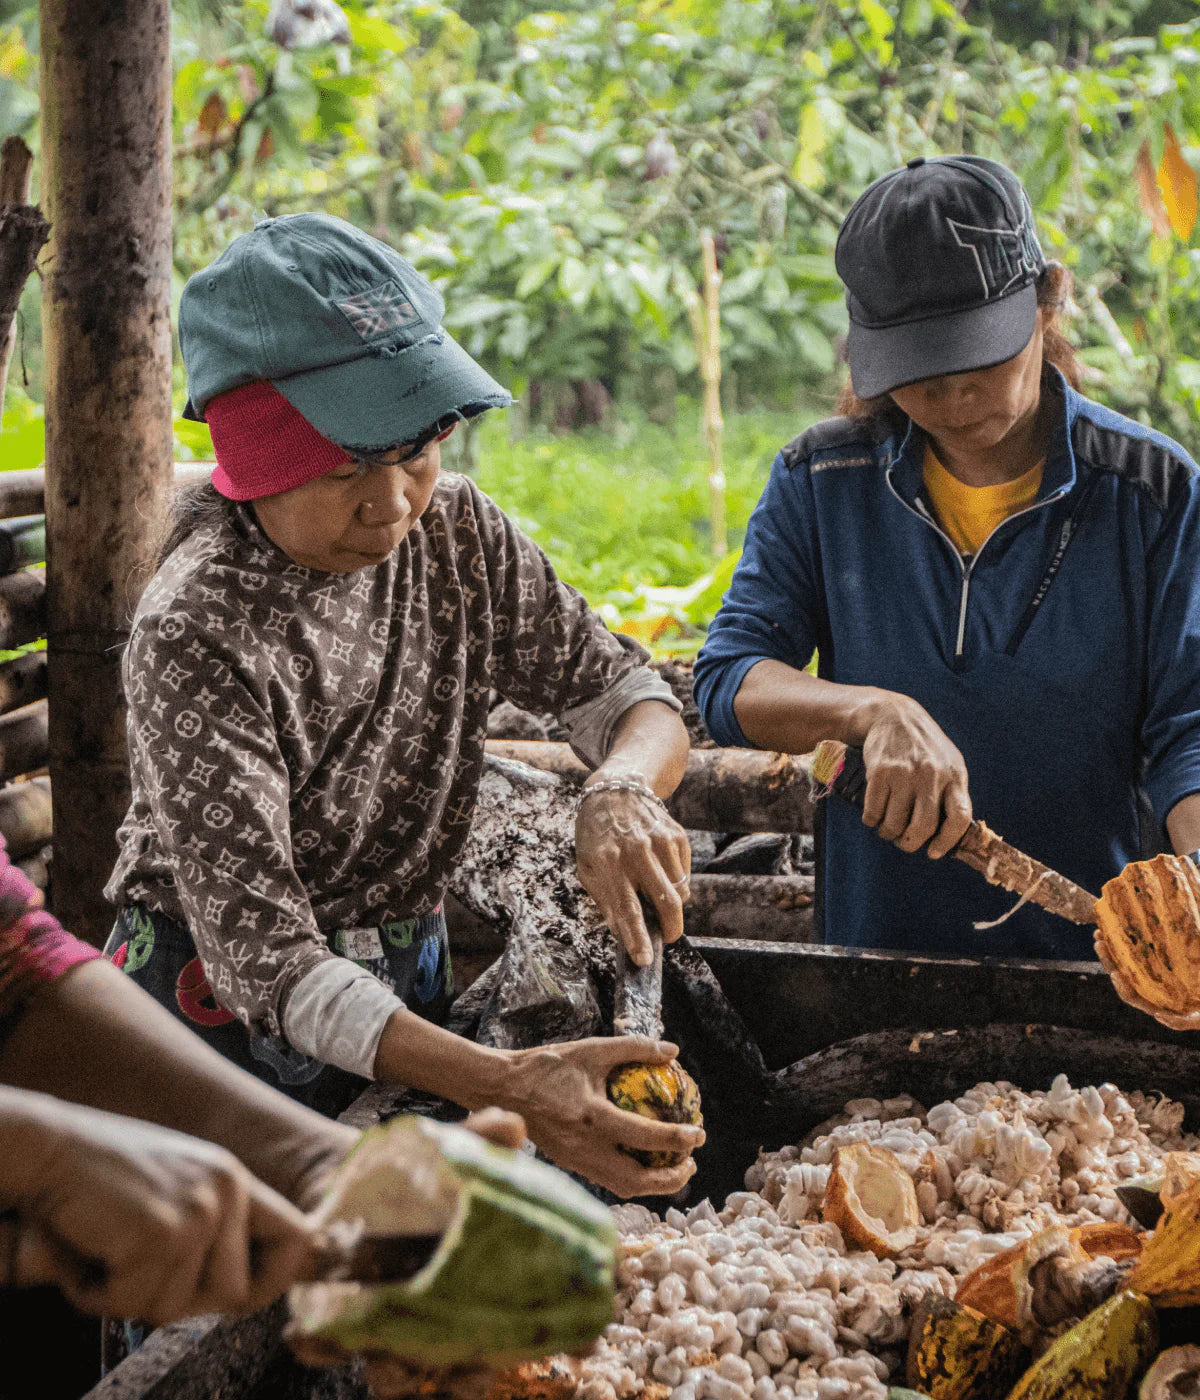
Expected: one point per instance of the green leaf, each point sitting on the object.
(879, 20)
(534, 277)
(575, 281)
(375, 36)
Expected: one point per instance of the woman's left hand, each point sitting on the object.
(626, 844)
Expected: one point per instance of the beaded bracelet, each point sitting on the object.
(638, 785)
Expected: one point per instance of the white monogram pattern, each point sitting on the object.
(292, 801)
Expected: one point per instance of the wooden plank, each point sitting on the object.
(722, 790)
(798, 998)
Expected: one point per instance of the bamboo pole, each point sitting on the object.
(23, 231)
(106, 187)
(704, 313)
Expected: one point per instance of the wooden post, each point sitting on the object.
(106, 188)
(23, 231)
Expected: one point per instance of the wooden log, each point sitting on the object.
(36, 868)
(772, 908)
(24, 740)
(23, 231)
(22, 681)
(26, 821)
(109, 443)
(23, 492)
(767, 908)
(22, 542)
(722, 790)
(22, 608)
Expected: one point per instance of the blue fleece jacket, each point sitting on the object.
(1067, 690)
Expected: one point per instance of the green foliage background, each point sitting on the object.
(553, 168)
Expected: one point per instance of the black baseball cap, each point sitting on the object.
(940, 261)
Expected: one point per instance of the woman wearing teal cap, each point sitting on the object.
(308, 681)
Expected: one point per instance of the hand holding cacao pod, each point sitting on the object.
(562, 1092)
(1148, 938)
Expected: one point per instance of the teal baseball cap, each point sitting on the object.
(347, 330)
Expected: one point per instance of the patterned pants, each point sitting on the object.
(411, 956)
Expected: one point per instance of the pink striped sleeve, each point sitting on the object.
(34, 947)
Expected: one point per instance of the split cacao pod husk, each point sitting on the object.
(1180, 1171)
(1148, 938)
(955, 1353)
(1168, 1269)
(1174, 1374)
(1051, 1278)
(1099, 1358)
(1000, 1287)
(872, 1200)
(1111, 1238)
(524, 1266)
(667, 1093)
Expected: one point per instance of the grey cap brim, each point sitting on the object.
(372, 402)
(883, 358)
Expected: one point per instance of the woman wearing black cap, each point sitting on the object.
(999, 577)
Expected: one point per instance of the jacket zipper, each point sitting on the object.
(966, 567)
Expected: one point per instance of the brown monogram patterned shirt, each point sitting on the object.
(306, 747)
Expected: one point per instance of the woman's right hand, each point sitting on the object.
(139, 1221)
(916, 779)
(561, 1092)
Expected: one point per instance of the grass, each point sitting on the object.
(623, 514)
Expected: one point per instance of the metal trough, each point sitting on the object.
(846, 1024)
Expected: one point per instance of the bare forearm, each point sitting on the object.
(28, 1124)
(1183, 825)
(779, 707)
(651, 742)
(95, 1038)
(417, 1053)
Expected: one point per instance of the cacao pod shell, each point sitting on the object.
(667, 1093)
(524, 1267)
(1148, 938)
(872, 1200)
(955, 1353)
(1168, 1270)
(1099, 1358)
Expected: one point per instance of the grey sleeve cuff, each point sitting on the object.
(591, 724)
(337, 1013)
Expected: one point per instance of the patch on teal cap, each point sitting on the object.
(346, 329)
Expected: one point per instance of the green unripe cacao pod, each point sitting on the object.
(524, 1266)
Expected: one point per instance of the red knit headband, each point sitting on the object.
(264, 445)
